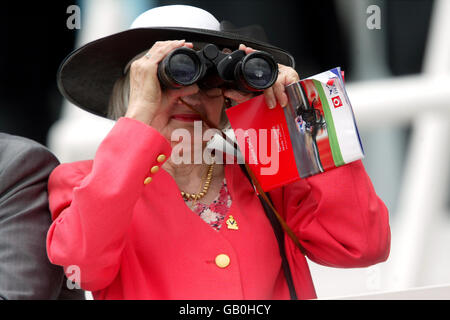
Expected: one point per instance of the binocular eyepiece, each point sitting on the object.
(212, 68)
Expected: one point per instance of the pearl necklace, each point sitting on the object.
(196, 196)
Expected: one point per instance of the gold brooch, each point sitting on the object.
(232, 224)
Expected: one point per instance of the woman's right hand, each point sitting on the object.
(146, 97)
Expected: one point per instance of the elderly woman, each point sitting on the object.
(128, 219)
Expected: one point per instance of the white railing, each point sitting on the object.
(420, 226)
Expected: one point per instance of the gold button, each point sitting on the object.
(161, 158)
(147, 180)
(154, 169)
(222, 260)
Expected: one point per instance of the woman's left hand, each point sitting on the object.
(273, 95)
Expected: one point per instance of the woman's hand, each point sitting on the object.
(273, 95)
(146, 96)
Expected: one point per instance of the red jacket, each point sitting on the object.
(136, 240)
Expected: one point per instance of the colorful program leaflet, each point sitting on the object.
(315, 132)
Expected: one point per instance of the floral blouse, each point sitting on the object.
(214, 214)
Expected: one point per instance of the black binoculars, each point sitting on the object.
(212, 68)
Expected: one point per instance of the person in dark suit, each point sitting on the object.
(25, 271)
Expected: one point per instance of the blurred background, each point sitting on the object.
(396, 58)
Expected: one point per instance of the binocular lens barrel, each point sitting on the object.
(184, 66)
(259, 72)
(181, 67)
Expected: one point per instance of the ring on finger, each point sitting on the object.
(148, 55)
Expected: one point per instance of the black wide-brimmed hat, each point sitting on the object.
(87, 76)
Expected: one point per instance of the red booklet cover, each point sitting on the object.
(264, 141)
(314, 133)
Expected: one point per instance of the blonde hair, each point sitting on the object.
(118, 102)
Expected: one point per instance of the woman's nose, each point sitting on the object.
(193, 99)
